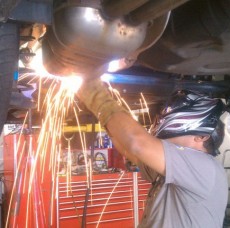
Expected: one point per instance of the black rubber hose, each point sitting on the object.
(83, 224)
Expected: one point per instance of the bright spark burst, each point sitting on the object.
(99, 220)
(59, 100)
(71, 84)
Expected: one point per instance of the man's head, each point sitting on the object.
(192, 113)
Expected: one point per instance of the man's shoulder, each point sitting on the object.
(186, 151)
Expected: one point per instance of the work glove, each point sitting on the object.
(99, 100)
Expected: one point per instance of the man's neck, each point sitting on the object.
(190, 141)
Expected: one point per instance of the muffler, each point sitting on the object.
(81, 40)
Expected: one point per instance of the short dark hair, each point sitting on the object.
(215, 139)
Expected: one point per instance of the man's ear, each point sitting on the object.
(201, 138)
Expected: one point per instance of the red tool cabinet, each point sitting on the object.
(118, 195)
(124, 194)
(27, 209)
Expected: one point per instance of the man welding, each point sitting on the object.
(189, 187)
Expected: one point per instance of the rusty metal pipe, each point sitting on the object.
(153, 9)
(118, 8)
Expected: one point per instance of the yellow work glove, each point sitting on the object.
(99, 101)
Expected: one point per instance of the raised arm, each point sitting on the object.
(127, 134)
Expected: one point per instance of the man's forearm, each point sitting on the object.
(123, 151)
(123, 129)
(136, 141)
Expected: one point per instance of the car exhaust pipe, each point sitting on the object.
(82, 40)
(139, 11)
(152, 10)
(119, 8)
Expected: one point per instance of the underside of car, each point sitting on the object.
(159, 46)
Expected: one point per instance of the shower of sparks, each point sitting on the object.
(120, 100)
(146, 106)
(60, 98)
(143, 116)
(58, 102)
(99, 220)
(16, 174)
(69, 164)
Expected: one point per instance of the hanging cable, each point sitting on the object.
(83, 224)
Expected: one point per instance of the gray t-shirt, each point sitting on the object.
(193, 193)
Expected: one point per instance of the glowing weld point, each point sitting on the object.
(107, 77)
(116, 65)
(71, 84)
(113, 65)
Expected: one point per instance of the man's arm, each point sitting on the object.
(127, 134)
(123, 152)
(136, 141)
